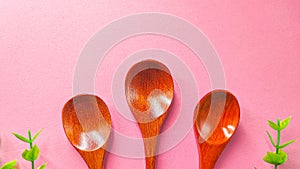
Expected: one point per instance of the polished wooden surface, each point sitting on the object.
(149, 92)
(87, 123)
(216, 120)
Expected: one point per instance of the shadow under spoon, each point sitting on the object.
(217, 117)
(149, 92)
(87, 125)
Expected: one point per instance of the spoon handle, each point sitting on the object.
(93, 159)
(209, 155)
(150, 145)
(150, 131)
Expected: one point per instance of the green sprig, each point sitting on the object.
(30, 154)
(279, 156)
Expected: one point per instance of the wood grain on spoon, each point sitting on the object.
(87, 124)
(216, 119)
(149, 92)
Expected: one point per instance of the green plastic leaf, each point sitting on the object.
(22, 138)
(271, 139)
(29, 136)
(32, 154)
(286, 144)
(273, 125)
(276, 159)
(42, 166)
(284, 123)
(36, 152)
(27, 155)
(10, 165)
(36, 135)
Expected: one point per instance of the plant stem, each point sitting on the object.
(278, 141)
(278, 137)
(30, 139)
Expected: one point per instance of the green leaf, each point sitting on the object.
(32, 154)
(10, 165)
(27, 155)
(22, 138)
(36, 152)
(29, 136)
(271, 139)
(273, 125)
(36, 135)
(284, 123)
(286, 144)
(276, 159)
(42, 166)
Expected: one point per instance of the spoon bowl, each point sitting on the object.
(149, 91)
(216, 120)
(87, 125)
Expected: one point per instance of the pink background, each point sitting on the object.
(40, 42)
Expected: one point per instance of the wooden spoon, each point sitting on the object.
(217, 116)
(149, 92)
(87, 124)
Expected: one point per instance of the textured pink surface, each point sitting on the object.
(40, 42)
